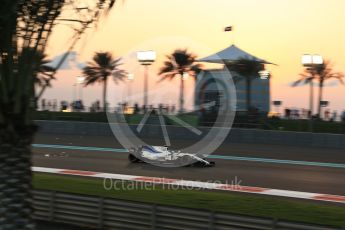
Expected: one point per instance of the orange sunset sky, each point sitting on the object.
(279, 31)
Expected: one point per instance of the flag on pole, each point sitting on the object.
(228, 28)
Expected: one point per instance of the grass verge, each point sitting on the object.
(273, 207)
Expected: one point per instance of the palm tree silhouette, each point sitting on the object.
(28, 25)
(323, 73)
(307, 78)
(249, 70)
(43, 72)
(320, 74)
(180, 63)
(102, 66)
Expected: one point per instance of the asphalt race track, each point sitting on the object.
(303, 177)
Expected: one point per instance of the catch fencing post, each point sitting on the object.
(51, 205)
(154, 216)
(100, 212)
(211, 220)
(274, 223)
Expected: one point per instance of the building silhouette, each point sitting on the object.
(211, 82)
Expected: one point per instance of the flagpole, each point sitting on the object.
(230, 29)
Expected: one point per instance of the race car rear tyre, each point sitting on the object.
(133, 159)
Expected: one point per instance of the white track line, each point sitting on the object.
(197, 184)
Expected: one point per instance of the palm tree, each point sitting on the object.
(100, 69)
(42, 71)
(325, 72)
(249, 70)
(23, 25)
(320, 74)
(307, 79)
(179, 64)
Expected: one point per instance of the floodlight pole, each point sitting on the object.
(146, 58)
(311, 62)
(80, 82)
(146, 83)
(311, 102)
(130, 78)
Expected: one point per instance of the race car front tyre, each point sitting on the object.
(133, 159)
(204, 164)
(212, 164)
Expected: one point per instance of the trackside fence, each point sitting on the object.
(107, 213)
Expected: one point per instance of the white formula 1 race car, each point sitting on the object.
(161, 155)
